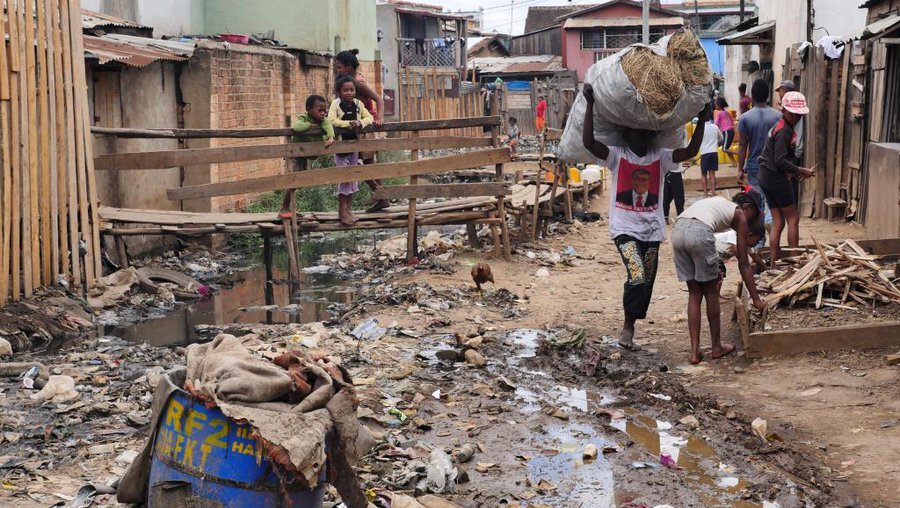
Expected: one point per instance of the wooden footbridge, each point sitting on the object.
(494, 204)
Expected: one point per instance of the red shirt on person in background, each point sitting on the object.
(745, 103)
(540, 110)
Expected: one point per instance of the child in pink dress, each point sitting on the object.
(348, 112)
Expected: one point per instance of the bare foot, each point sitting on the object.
(724, 350)
(285, 214)
(626, 341)
(695, 359)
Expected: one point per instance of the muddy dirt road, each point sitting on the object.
(552, 383)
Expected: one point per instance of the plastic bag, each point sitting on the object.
(618, 105)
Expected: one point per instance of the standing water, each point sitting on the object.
(241, 296)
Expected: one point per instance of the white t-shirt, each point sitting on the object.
(726, 244)
(711, 138)
(635, 207)
(716, 212)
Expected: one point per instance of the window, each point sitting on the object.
(616, 38)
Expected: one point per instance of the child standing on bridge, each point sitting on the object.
(316, 116)
(348, 112)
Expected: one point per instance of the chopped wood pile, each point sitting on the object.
(842, 276)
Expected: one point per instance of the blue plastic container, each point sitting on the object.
(201, 456)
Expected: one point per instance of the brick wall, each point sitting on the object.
(259, 88)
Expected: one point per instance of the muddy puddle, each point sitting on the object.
(656, 444)
(240, 298)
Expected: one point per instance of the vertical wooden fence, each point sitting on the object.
(47, 224)
(427, 95)
(834, 128)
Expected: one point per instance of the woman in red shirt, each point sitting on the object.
(540, 111)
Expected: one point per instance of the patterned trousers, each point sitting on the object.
(640, 259)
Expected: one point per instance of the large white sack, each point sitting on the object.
(617, 104)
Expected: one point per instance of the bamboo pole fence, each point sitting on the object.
(48, 214)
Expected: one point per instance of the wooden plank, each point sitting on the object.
(842, 120)
(87, 189)
(4, 66)
(58, 114)
(412, 240)
(12, 207)
(71, 188)
(805, 340)
(30, 203)
(452, 190)
(332, 176)
(6, 224)
(199, 156)
(47, 245)
(416, 125)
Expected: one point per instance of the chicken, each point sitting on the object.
(481, 273)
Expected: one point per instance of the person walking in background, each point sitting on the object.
(347, 64)
(777, 169)
(709, 158)
(636, 221)
(725, 124)
(512, 133)
(785, 87)
(697, 261)
(539, 113)
(754, 127)
(745, 100)
(348, 112)
(316, 116)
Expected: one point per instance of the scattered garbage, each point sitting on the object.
(5, 347)
(441, 475)
(760, 428)
(318, 269)
(57, 390)
(368, 330)
(542, 273)
(466, 452)
(475, 358)
(590, 452)
(690, 421)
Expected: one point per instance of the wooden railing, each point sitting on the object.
(488, 152)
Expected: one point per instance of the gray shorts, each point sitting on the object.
(694, 245)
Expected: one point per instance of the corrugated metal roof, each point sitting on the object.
(517, 64)
(748, 36)
(619, 22)
(881, 26)
(440, 15)
(135, 51)
(91, 19)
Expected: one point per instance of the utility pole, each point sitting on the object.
(696, 16)
(511, 2)
(645, 33)
(743, 5)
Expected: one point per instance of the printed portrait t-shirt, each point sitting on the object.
(634, 206)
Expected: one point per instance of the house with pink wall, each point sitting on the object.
(598, 31)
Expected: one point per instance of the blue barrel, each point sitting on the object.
(201, 456)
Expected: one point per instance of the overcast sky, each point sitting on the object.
(497, 12)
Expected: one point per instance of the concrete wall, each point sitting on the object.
(735, 57)
(390, 56)
(317, 25)
(167, 17)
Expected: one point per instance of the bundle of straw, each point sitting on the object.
(656, 78)
(684, 47)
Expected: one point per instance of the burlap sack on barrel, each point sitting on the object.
(658, 87)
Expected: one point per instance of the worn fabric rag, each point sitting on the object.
(293, 433)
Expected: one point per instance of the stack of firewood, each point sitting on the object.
(842, 276)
